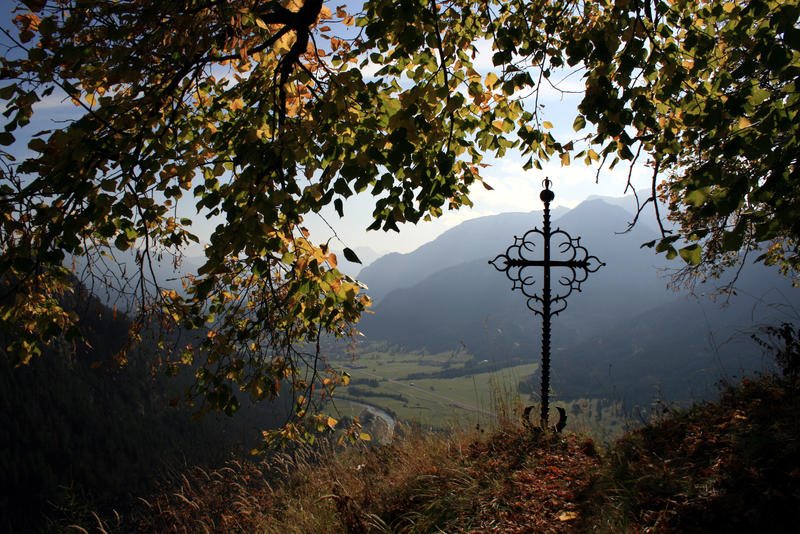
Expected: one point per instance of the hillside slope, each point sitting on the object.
(81, 432)
(728, 466)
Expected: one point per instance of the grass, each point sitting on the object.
(730, 466)
(329, 490)
(438, 402)
(386, 378)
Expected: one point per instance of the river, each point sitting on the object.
(377, 412)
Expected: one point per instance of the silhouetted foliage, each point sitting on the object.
(784, 343)
(82, 433)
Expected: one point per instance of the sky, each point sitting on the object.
(513, 189)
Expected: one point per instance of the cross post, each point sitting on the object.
(573, 260)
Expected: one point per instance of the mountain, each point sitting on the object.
(470, 302)
(627, 202)
(676, 350)
(474, 239)
(623, 330)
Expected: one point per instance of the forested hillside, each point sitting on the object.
(82, 433)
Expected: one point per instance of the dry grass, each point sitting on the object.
(716, 468)
(729, 466)
(326, 490)
(458, 481)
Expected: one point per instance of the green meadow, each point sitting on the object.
(394, 381)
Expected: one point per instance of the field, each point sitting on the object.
(462, 392)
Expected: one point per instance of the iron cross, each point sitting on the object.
(571, 258)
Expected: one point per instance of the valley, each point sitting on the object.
(443, 390)
(447, 340)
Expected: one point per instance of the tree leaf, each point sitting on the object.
(691, 254)
(351, 256)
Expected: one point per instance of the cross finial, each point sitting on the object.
(547, 194)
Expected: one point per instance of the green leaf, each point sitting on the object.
(122, 242)
(580, 123)
(8, 91)
(732, 241)
(37, 144)
(691, 254)
(696, 197)
(444, 162)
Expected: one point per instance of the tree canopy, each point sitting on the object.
(257, 114)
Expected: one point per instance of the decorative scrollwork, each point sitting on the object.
(572, 260)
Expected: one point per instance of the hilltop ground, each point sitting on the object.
(729, 466)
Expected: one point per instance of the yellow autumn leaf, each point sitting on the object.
(293, 5)
(237, 104)
(284, 44)
(491, 80)
(325, 13)
(547, 125)
(91, 100)
(331, 422)
(564, 159)
(364, 436)
(567, 516)
(744, 123)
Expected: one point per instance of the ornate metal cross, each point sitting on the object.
(574, 264)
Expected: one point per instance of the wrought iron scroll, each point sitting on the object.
(561, 253)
